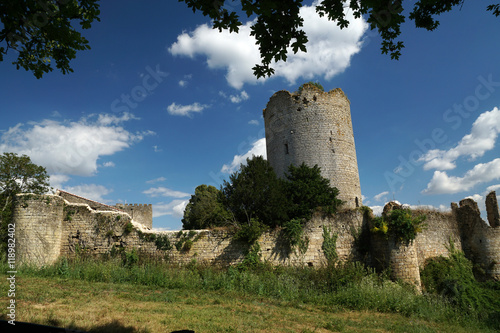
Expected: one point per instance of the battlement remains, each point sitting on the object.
(141, 213)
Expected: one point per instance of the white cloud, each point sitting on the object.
(70, 147)
(492, 188)
(476, 197)
(90, 191)
(109, 119)
(329, 49)
(377, 210)
(482, 138)
(174, 208)
(441, 183)
(185, 81)
(57, 181)
(243, 96)
(109, 164)
(258, 149)
(254, 122)
(381, 196)
(185, 110)
(165, 192)
(156, 180)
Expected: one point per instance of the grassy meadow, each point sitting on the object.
(129, 293)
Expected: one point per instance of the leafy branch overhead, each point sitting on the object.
(42, 31)
(277, 25)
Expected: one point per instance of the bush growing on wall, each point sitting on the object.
(400, 224)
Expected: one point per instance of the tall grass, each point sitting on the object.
(336, 287)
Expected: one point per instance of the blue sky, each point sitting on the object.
(162, 104)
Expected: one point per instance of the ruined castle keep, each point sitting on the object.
(314, 127)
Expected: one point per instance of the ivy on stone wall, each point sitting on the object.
(329, 245)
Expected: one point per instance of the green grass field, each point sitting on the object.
(143, 296)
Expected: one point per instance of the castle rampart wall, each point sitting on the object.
(48, 227)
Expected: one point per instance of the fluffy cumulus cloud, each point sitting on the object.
(165, 192)
(70, 147)
(329, 49)
(258, 149)
(442, 183)
(482, 138)
(185, 110)
(174, 208)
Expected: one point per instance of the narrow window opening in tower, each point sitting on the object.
(286, 149)
(333, 150)
(357, 202)
(314, 98)
(299, 109)
(307, 119)
(331, 139)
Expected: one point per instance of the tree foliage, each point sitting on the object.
(205, 209)
(42, 31)
(278, 24)
(308, 190)
(18, 175)
(255, 192)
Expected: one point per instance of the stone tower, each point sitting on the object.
(314, 127)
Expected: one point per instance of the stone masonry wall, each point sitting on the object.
(38, 228)
(141, 213)
(48, 227)
(314, 127)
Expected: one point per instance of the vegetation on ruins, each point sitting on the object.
(255, 199)
(17, 175)
(310, 83)
(400, 224)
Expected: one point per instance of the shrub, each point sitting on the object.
(188, 244)
(311, 83)
(250, 232)
(454, 279)
(400, 224)
(162, 243)
(128, 228)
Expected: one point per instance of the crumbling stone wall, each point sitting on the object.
(49, 226)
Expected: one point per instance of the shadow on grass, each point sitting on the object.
(112, 327)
